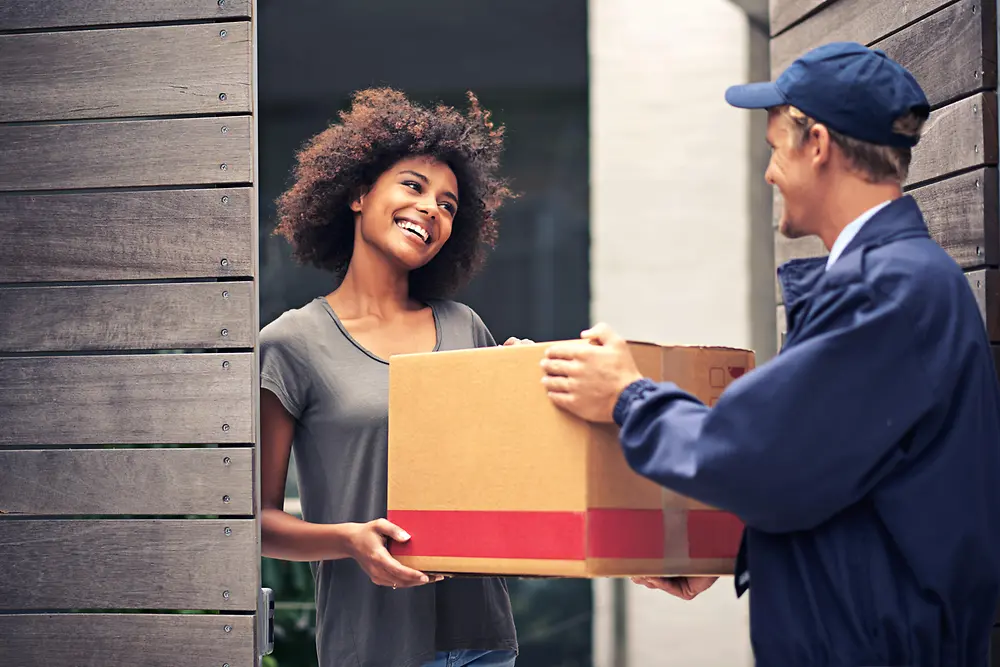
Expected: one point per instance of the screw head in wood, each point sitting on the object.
(226, 461)
(224, 262)
(225, 129)
(225, 427)
(224, 166)
(223, 34)
(225, 499)
(225, 332)
(228, 628)
(222, 3)
(225, 364)
(225, 594)
(979, 251)
(225, 199)
(222, 97)
(225, 294)
(228, 531)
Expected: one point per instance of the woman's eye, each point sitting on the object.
(413, 185)
(448, 206)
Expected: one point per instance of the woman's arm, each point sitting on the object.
(287, 537)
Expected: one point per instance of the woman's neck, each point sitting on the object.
(371, 286)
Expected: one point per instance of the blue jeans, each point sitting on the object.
(473, 659)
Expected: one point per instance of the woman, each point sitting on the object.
(397, 201)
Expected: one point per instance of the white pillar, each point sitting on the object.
(672, 258)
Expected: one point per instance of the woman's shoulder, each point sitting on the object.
(455, 310)
(459, 316)
(294, 327)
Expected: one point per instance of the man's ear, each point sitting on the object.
(820, 142)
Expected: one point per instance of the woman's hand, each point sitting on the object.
(517, 341)
(367, 546)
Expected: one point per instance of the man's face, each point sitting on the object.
(792, 171)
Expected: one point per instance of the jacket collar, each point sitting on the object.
(901, 219)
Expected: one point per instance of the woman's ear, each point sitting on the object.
(358, 200)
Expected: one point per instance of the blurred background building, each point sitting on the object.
(642, 204)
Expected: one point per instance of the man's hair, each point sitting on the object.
(876, 163)
(381, 128)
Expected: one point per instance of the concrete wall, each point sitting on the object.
(681, 249)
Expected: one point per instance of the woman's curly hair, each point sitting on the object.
(382, 127)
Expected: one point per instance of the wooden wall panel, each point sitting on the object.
(127, 317)
(951, 52)
(985, 285)
(126, 235)
(149, 640)
(185, 151)
(30, 14)
(151, 482)
(861, 21)
(126, 399)
(963, 215)
(154, 71)
(785, 13)
(957, 137)
(128, 564)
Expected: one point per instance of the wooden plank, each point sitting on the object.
(127, 317)
(164, 482)
(26, 14)
(184, 151)
(786, 13)
(150, 640)
(127, 235)
(848, 20)
(962, 215)
(157, 71)
(985, 285)
(957, 137)
(128, 564)
(126, 399)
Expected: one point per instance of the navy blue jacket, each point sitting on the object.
(864, 459)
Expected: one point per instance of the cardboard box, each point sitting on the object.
(489, 477)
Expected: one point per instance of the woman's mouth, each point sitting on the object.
(414, 229)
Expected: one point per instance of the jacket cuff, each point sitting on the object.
(634, 392)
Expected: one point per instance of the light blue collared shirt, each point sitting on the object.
(850, 231)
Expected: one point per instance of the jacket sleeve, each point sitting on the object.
(802, 437)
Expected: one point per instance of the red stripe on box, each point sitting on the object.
(625, 533)
(613, 533)
(713, 534)
(461, 534)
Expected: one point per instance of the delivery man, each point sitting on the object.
(864, 459)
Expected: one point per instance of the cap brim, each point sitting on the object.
(755, 96)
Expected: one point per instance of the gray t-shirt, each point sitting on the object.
(338, 393)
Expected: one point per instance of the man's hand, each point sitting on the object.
(686, 588)
(586, 377)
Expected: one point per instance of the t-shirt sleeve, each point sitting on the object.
(281, 372)
(480, 332)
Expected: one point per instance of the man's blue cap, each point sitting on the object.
(850, 88)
